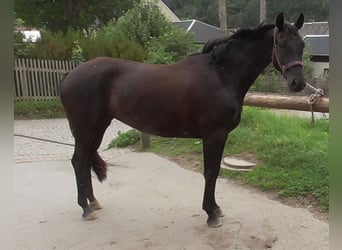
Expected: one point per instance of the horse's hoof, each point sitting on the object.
(214, 222)
(95, 205)
(89, 216)
(218, 212)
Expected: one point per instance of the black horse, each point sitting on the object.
(200, 96)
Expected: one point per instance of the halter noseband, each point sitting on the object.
(275, 59)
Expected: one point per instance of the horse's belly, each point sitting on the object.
(166, 126)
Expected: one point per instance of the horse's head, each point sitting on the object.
(288, 51)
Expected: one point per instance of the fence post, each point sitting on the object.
(145, 140)
(17, 82)
(24, 83)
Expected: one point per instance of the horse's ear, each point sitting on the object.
(299, 23)
(280, 21)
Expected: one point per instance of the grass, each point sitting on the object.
(293, 154)
(38, 109)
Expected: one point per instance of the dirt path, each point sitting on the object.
(149, 203)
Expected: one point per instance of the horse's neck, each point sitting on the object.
(253, 62)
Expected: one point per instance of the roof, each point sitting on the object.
(314, 28)
(319, 44)
(203, 31)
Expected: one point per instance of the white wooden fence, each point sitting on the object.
(37, 79)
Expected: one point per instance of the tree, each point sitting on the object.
(223, 17)
(147, 26)
(170, 47)
(142, 23)
(21, 48)
(141, 34)
(60, 15)
(263, 11)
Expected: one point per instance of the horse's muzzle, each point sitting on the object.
(296, 85)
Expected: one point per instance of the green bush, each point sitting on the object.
(147, 26)
(142, 23)
(75, 45)
(107, 44)
(141, 34)
(55, 46)
(77, 53)
(171, 46)
(125, 139)
(21, 48)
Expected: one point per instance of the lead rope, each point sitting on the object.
(313, 98)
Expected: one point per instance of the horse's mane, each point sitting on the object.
(214, 46)
(239, 34)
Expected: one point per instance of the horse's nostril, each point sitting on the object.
(297, 85)
(294, 83)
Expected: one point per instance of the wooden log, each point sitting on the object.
(278, 101)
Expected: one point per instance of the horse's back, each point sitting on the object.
(93, 70)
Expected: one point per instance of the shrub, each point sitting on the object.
(147, 26)
(171, 46)
(107, 44)
(125, 139)
(76, 45)
(142, 23)
(77, 53)
(141, 34)
(56, 46)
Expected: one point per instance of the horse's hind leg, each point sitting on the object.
(213, 146)
(98, 165)
(81, 164)
(85, 157)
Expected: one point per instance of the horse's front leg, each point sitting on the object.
(213, 146)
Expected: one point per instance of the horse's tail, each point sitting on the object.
(100, 167)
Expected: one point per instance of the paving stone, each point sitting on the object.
(27, 149)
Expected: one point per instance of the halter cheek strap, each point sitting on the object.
(275, 59)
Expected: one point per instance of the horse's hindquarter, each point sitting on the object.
(84, 92)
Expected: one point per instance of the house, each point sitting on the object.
(31, 35)
(316, 37)
(169, 14)
(314, 28)
(202, 31)
(319, 52)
